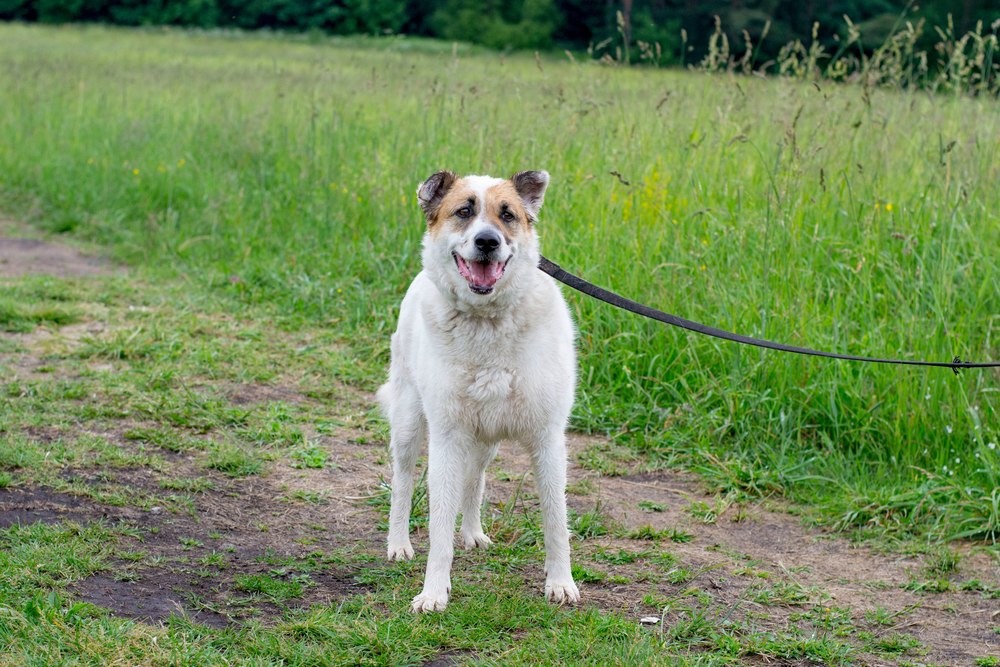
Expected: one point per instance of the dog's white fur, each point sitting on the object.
(470, 369)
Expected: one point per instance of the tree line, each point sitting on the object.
(664, 31)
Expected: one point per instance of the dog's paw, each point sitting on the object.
(562, 592)
(476, 540)
(427, 602)
(400, 551)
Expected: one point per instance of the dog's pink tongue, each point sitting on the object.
(485, 274)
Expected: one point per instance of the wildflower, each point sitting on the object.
(992, 445)
(928, 396)
(181, 162)
(888, 207)
(703, 267)
(135, 171)
(947, 429)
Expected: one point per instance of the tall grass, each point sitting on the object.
(843, 217)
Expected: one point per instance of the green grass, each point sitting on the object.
(268, 171)
(18, 317)
(264, 199)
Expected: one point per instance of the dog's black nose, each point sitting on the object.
(487, 241)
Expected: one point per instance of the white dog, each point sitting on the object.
(483, 353)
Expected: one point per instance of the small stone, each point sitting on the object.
(649, 620)
(156, 510)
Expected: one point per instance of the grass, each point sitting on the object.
(257, 186)
(20, 318)
(264, 200)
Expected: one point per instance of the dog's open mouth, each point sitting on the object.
(481, 276)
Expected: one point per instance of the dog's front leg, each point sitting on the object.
(549, 456)
(445, 467)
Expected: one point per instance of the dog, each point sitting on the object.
(483, 352)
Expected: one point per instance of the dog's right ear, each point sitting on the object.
(432, 191)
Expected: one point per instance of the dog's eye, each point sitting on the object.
(464, 212)
(507, 216)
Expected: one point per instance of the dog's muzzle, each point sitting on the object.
(482, 275)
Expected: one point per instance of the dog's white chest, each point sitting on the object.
(491, 385)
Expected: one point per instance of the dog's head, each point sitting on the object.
(480, 230)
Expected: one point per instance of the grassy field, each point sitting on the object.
(270, 183)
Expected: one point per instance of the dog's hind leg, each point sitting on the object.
(408, 429)
(472, 496)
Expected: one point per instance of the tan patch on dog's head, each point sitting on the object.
(512, 205)
(505, 209)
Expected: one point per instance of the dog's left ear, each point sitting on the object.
(530, 185)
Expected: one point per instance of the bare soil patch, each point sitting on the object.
(193, 557)
(24, 256)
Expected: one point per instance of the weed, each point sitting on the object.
(309, 497)
(882, 616)
(235, 461)
(783, 593)
(593, 523)
(583, 487)
(647, 532)
(309, 457)
(585, 575)
(272, 588)
(937, 585)
(702, 512)
(604, 459)
(942, 561)
(899, 643)
(680, 575)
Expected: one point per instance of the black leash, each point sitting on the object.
(590, 289)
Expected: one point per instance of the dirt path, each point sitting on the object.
(23, 253)
(750, 561)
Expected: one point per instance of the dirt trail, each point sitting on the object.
(22, 253)
(252, 521)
